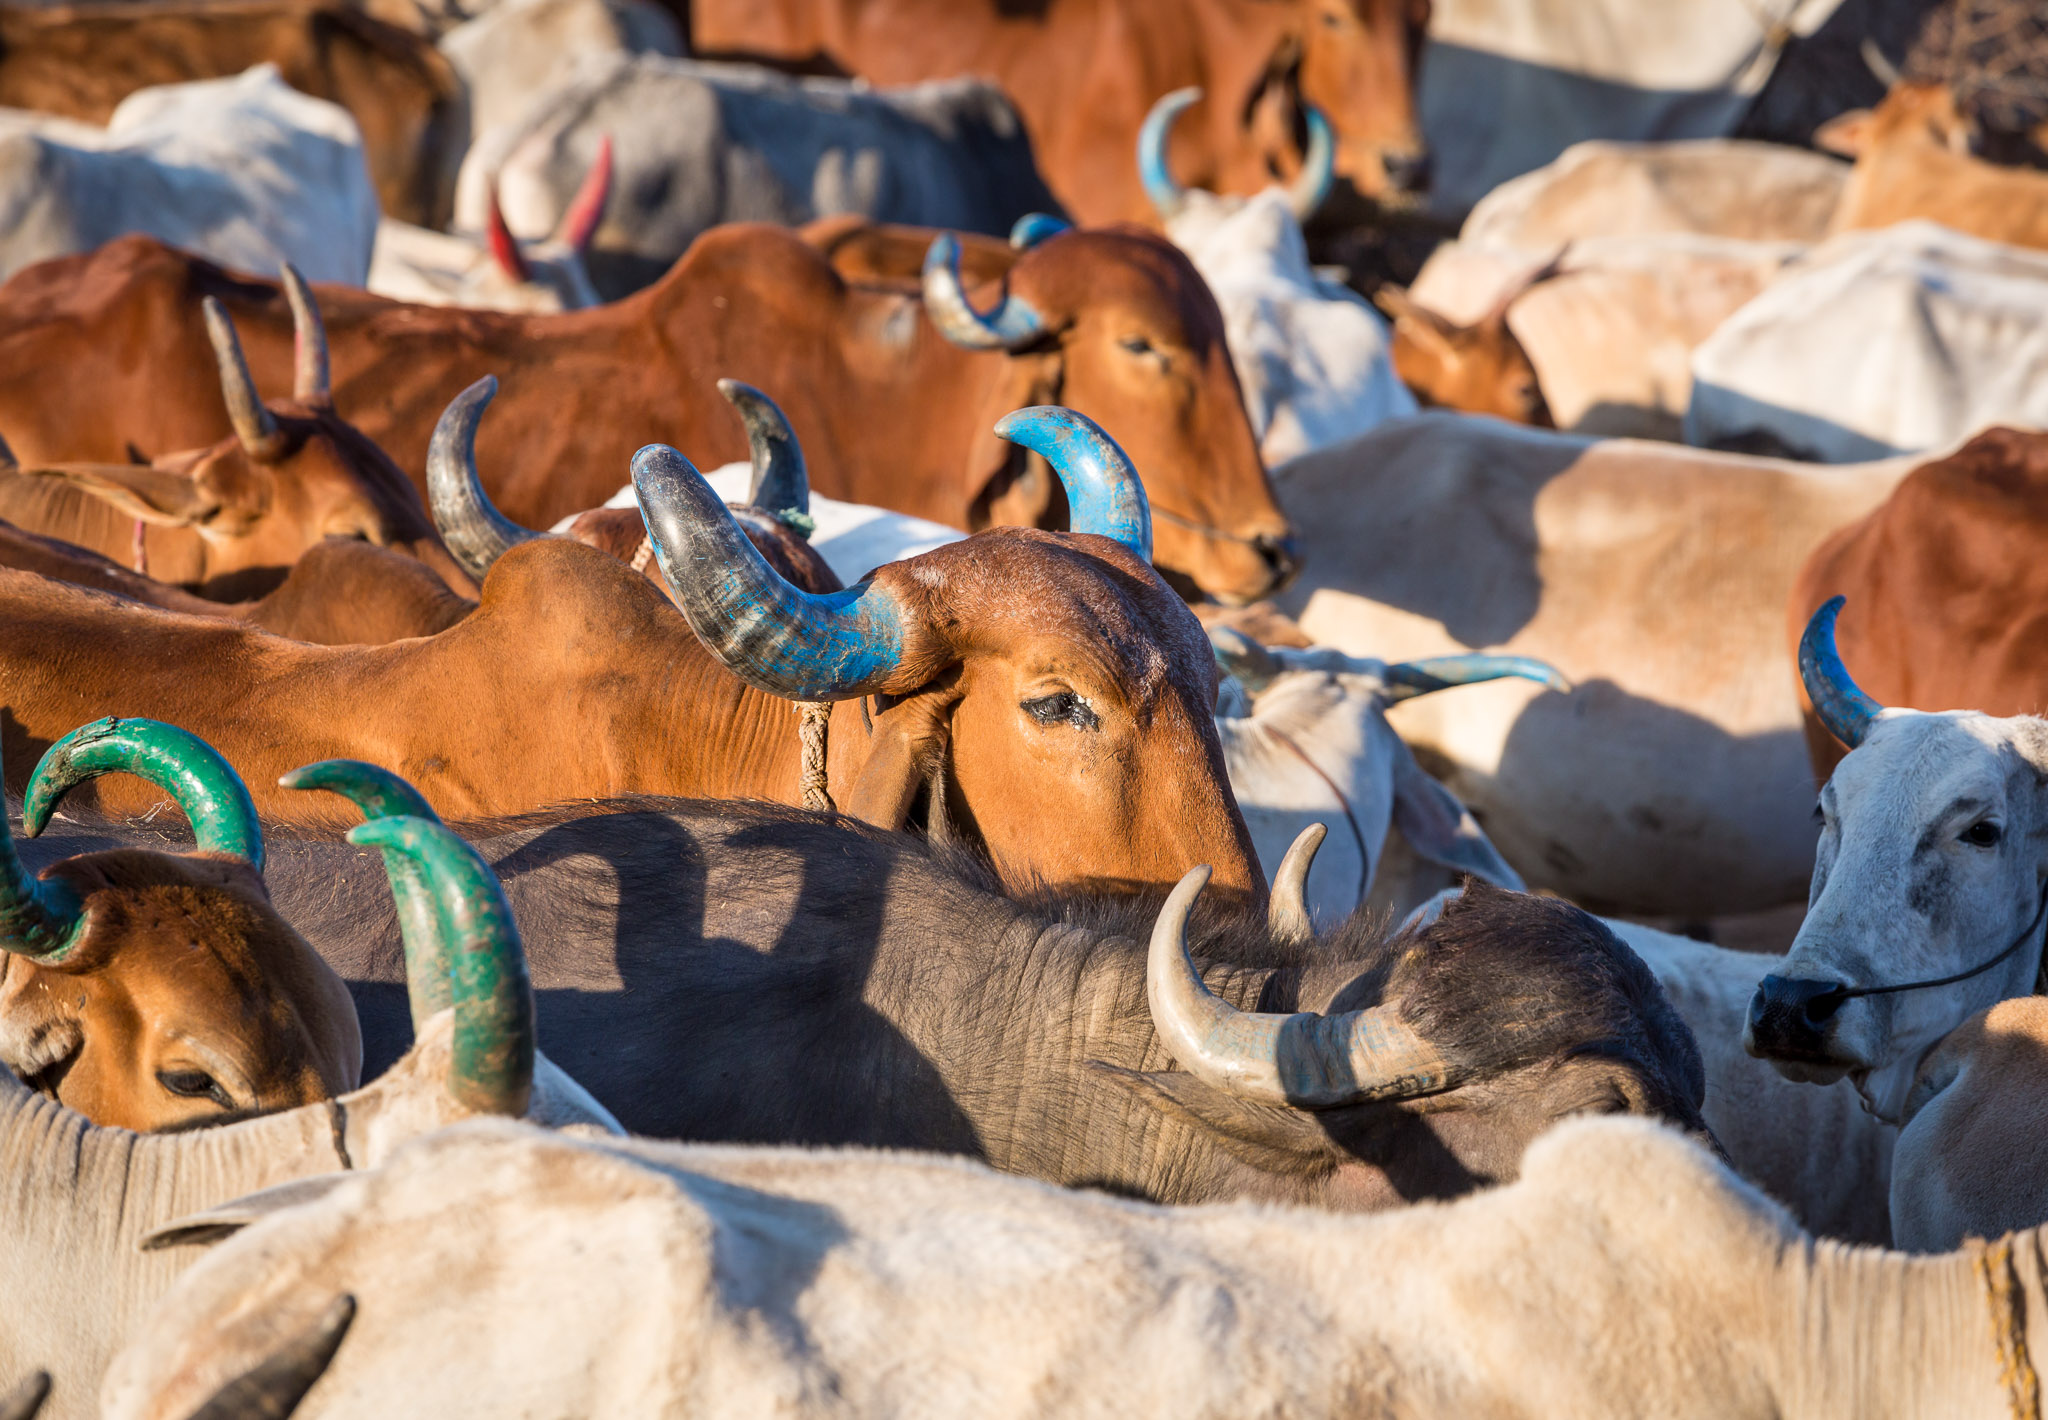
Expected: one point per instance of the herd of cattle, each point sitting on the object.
(505, 922)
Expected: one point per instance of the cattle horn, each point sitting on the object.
(1841, 705)
(26, 1398)
(379, 793)
(585, 212)
(1287, 914)
(1887, 72)
(477, 534)
(1407, 679)
(40, 918)
(190, 770)
(253, 424)
(776, 637)
(781, 488)
(1104, 494)
(273, 1387)
(1012, 325)
(1318, 167)
(1305, 1060)
(492, 1069)
(498, 237)
(310, 380)
(1035, 227)
(1168, 196)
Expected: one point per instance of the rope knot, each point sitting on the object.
(816, 721)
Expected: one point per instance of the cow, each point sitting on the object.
(1927, 902)
(81, 61)
(149, 990)
(1260, 64)
(1932, 575)
(229, 521)
(701, 144)
(1626, 1273)
(1875, 343)
(893, 398)
(1671, 780)
(514, 51)
(1044, 697)
(244, 171)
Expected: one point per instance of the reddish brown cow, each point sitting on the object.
(153, 990)
(1913, 159)
(1043, 696)
(1084, 73)
(81, 61)
(1115, 324)
(1940, 613)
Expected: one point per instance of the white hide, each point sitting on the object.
(245, 171)
(1902, 339)
(517, 50)
(442, 269)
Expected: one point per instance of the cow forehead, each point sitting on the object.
(1914, 765)
(1128, 272)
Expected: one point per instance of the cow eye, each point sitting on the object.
(1063, 707)
(195, 1084)
(1982, 834)
(1136, 344)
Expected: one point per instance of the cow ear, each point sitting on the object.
(1847, 134)
(1265, 1136)
(225, 1220)
(169, 500)
(1440, 828)
(907, 748)
(1417, 322)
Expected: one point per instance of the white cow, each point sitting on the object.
(517, 50)
(1906, 338)
(247, 172)
(496, 1269)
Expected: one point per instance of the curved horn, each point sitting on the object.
(209, 792)
(498, 237)
(1237, 654)
(477, 534)
(788, 642)
(1846, 711)
(1887, 72)
(310, 380)
(1012, 325)
(1318, 165)
(254, 425)
(1287, 914)
(273, 1387)
(781, 487)
(1407, 679)
(1035, 227)
(580, 219)
(40, 918)
(379, 793)
(492, 1068)
(1167, 196)
(1104, 495)
(1304, 1060)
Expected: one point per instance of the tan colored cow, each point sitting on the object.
(1913, 159)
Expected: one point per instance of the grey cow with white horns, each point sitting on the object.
(1930, 886)
(93, 1233)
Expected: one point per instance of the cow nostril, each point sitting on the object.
(1282, 555)
(1789, 1016)
(1410, 172)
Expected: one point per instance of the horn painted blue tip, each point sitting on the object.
(1838, 701)
(1035, 227)
(1104, 494)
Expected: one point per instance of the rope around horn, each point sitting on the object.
(811, 731)
(2008, 1302)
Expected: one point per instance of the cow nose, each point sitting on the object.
(1282, 556)
(1788, 1017)
(1409, 172)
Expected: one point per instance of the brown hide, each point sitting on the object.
(80, 61)
(1947, 583)
(1084, 73)
(888, 412)
(1913, 160)
(1480, 368)
(188, 1000)
(574, 679)
(620, 532)
(866, 253)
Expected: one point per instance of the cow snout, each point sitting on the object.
(1409, 172)
(1789, 1019)
(1282, 557)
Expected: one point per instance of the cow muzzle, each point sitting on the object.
(1792, 1023)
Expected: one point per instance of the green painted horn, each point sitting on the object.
(381, 794)
(40, 918)
(177, 761)
(492, 1071)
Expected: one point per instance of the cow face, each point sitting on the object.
(187, 1001)
(1358, 62)
(1933, 848)
(1481, 369)
(1912, 115)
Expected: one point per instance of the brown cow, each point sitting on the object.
(1480, 368)
(893, 399)
(1942, 610)
(229, 521)
(1042, 696)
(152, 990)
(1084, 73)
(80, 61)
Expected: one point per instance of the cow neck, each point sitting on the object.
(69, 513)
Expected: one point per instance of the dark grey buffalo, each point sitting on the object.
(723, 971)
(699, 144)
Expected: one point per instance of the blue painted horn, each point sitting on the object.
(773, 636)
(1012, 325)
(477, 534)
(1167, 195)
(1407, 679)
(1104, 495)
(1841, 705)
(781, 486)
(1318, 166)
(1035, 227)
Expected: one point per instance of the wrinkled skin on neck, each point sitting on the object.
(1933, 845)
(188, 1001)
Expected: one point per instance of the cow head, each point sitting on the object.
(1115, 323)
(1190, 214)
(1932, 857)
(1044, 695)
(545, 275)
(1913, 115)
(245, 509)
(151, 990)
(1479, 368)
(1357, 64)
